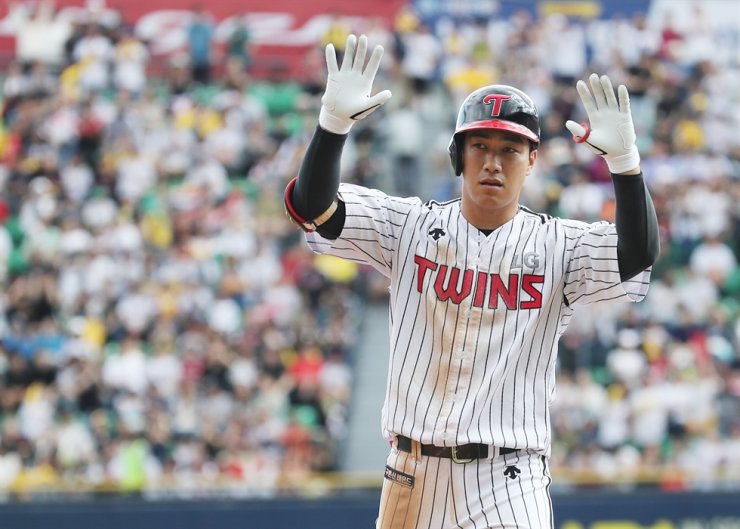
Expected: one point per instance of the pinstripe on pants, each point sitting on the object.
(482, 494)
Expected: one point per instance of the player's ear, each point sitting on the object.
(532, 158)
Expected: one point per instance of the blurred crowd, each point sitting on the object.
(162, 324)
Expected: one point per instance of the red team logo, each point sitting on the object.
(497, 99)
(521, 291)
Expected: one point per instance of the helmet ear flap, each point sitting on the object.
(455, 150)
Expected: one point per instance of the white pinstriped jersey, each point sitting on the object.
(475, 319)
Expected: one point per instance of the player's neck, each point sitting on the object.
(488, 220)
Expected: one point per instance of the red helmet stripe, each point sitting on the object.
(498, 124)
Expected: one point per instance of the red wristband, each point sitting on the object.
(581, 139)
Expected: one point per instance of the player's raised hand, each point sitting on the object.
(347, 97)
(610, 132)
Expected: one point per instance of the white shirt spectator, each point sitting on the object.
(129, 72)
(131, 408)
(99, 273)
(210, 175)
(93, 52)
(36, 413)
(225, 146)
(697, 294)
(74, 443)
(195, 299)
(731, 453)
(10, 467)
(70, 285)
(124, 237)
(582, 200)
(76, 179)
(61, 127)
(136, 311)
(236, 242)
(6, 246)
(713, 259)
(41, 37)
(164, 371)
(404, 132)
(650, 415)
(262, 269)
(335, 379)
(127, 369)
(243, 372)
(217, 405)
(98, 212)
(565, 47)
(15, 81)
(663, 301)
(702, 456)
(136, 176)
(423, 54)
(39, 208)
(185, 417)
(627, 363)
(282, 301)
(614, 429)
(225, 316)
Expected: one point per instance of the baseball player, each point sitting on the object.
(481, 290)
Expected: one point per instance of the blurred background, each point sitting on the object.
(172, 354)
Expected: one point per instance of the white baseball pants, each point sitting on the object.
(507, 492)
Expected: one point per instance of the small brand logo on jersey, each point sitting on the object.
(497, 100)
(512, 472)
(436, 233)
(528, 260)
(399, 477)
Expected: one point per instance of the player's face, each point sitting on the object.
(495, 164)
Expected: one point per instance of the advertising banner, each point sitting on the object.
(279, 29)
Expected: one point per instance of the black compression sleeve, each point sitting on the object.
(637, 225)
(318, 181)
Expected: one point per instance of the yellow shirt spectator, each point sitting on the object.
(336, 34)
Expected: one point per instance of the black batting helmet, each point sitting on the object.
(499, 107)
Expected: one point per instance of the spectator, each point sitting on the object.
(714, 259)
(200, 41)
(93, 54)
(239, 43)
(422, 58)
(336, 33)
(627, 363)
(130, 61)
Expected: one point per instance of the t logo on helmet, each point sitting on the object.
(497, 99)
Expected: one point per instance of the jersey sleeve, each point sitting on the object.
(372, 227)
(592, 270)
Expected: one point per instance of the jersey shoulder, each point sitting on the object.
(541, 218)
(569, 226)
(374, 197)
(437, 205)
(573, 225)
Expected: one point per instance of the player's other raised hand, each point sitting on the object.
(347, 97)
(610, 132)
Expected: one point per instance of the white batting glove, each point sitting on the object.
(347, 96)
(610, 132)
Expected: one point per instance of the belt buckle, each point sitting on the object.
(457, 459)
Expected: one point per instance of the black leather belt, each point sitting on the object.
(459, 454)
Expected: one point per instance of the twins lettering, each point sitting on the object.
(522, 291)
